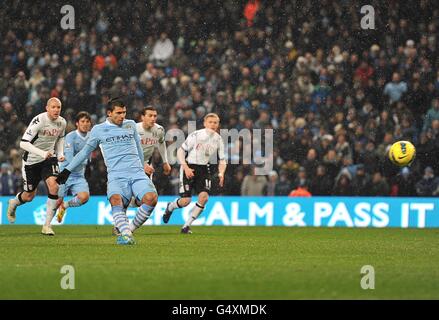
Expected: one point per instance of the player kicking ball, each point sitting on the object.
(123, 156)
(43, 143)
(195, 156)
(76, 184)
(152, 135)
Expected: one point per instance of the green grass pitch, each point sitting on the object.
(220, 263)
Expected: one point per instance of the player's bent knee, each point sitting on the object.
(52, 186)
(150, 198)
(83, 197)
(28, 196)
(116, 200)
(184, 201)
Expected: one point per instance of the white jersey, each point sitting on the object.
(43, 134)
(204, 147)
(151, 139)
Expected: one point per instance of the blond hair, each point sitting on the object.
(211, 115)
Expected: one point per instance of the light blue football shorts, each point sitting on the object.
(131, 186)
(73, 186)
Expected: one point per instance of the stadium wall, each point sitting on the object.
(376, 212)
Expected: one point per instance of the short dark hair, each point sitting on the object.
(148, 108)
(82, 114)
(115, 102)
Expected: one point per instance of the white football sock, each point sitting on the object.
(195, 212)
(16, 201)
(50, 210)
(174, 205)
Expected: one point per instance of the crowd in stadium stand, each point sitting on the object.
(336, 95)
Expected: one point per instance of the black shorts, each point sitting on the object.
(201, 181)
(33, 174)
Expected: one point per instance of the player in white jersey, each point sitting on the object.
(200, 149)
(152, 135)
(43, 143)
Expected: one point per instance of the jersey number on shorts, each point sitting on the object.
(55, 169)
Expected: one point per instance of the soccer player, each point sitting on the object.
(123, 156)
(43, 143)
(76, 184)
(152, 135)
(195, 156)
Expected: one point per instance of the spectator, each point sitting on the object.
(428, 184)
(378, 186)
(343, 186)
(405, 183)
(234, 186)
(360, 181)
(8, 180)
(253, 185)
(300, 191)
(311, 162)
(270, 187)
(301, 179)
(163, 50)
(395, 89)
(363, 73)
(283, 186)
(432, 114)
(321, 183)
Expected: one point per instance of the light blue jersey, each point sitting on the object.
(73, 144)
(123, 155)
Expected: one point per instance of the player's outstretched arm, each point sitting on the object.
(76, 161)
(81, 157)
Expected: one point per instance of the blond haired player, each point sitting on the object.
(200, 149)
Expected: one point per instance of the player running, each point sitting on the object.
(152, 135)
(43, 143)
(123, 156)
(195, 156)
(76, 184)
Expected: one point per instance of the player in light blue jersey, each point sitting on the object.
(123, 156)
(76, 183)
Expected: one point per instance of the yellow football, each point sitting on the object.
(402, 153)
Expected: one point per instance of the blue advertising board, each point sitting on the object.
(376, 212)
